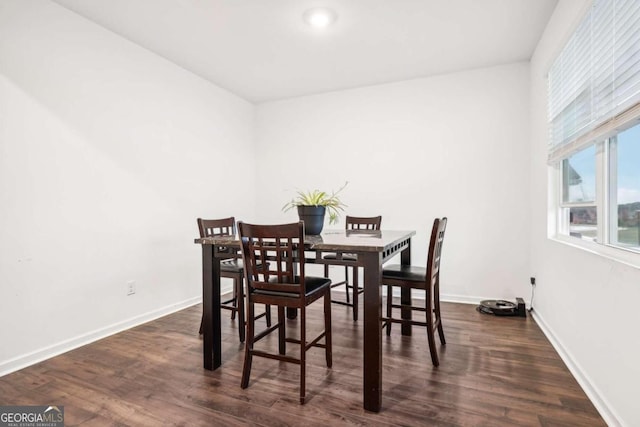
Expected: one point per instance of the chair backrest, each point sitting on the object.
(435, 251)
(217, 227)
(363, 223)
(280, 245)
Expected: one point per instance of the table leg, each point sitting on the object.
(372, 351)
(211, 333)
(405, 293)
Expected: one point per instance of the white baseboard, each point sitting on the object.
(418, 295)
(578, 373)
(36, 356)
(461, 299)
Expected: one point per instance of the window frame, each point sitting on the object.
(605, 202)
(563, 208)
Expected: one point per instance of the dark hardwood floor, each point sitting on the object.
(494, 371)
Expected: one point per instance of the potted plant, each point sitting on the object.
(313, 205)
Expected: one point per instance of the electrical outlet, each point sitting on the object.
(131, 287)
(533, 281)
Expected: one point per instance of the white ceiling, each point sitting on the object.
(261, 50)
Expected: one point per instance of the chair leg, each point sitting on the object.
(389, 308)
(240, 305)
(436, 295)
(248, 347)
(327, 329)
(267, 309)
(282, 333)
(235, 298)
(201, 325)
(303, 353)
(354, 287)
(346, 282)
(430, 331)
(441, 333)
(432, 348)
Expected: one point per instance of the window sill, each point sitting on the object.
(624, 256)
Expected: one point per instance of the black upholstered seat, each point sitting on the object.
(410, 273)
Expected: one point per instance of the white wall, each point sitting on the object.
(108, 153)
(454, 145)
(587, 304)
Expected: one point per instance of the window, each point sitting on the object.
(578, 206)
(624, 188)
(602, 204)
(579, 177)
(594, 123)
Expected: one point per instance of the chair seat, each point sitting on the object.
(312, 285)
(405, 272)
(346, 257)
(233, 265)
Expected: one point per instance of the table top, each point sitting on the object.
(333, 240)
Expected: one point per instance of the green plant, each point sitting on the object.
(331, 202)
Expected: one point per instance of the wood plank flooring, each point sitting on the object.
(494, 371)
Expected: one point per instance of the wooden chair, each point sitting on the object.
(277, 283)
(425, 278)
(353, 223)
(231, 268)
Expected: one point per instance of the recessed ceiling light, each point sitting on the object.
(320, 17)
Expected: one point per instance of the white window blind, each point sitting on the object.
(594, 84)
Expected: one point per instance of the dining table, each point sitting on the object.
(372, 250)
